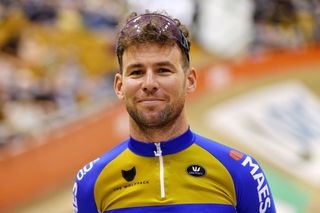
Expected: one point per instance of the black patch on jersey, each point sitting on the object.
(196, 170)
(129, 175)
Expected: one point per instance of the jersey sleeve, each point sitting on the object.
(252, 188)
(253, 194)
(83, 190)
(84, 200)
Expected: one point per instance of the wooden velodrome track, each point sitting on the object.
(52, 161)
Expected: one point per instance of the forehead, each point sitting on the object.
(152, 53)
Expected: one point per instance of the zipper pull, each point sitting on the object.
(158, 153)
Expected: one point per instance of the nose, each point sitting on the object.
(150, 84)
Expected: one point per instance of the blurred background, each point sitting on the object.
(258, 63)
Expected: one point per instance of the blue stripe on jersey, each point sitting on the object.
(84, 193)
(243, 176)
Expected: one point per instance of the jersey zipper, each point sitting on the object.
(158, 153)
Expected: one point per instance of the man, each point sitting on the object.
(164, 166)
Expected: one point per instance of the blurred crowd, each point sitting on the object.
(286, 23)
(58, 57)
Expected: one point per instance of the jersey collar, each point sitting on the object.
(167, 147)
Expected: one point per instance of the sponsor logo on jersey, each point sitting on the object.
(80, 175)
(262, 186)
(129, 185)
(235, 155)
(86, 169)
(75, 202)
(196, 170)
(129, 175)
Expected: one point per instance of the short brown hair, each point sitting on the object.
(153, 28)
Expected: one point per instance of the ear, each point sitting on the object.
(191, 78)
(117, 86)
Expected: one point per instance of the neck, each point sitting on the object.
(153, 135)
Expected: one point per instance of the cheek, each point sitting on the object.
(176, 89)
(130, 89)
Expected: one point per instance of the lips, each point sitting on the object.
(150, 101)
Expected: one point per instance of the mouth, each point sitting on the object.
(150, 101)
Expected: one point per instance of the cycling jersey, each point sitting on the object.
(186, 174)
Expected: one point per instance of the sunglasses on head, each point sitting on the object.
(163, 26)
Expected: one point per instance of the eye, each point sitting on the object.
(136, 72)
(164, 70)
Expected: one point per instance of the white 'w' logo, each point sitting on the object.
(196, 168)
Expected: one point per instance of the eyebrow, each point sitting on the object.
(135, 65)
(165, 63)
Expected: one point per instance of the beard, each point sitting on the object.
(158, 119)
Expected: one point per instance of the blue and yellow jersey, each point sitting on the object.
(186, 174)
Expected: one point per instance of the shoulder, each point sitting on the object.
(91, 171)
(224, 153)
(236, 162)
(251, 185)
(83, 188)
(241, 167)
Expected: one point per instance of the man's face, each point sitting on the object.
(154, 84)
